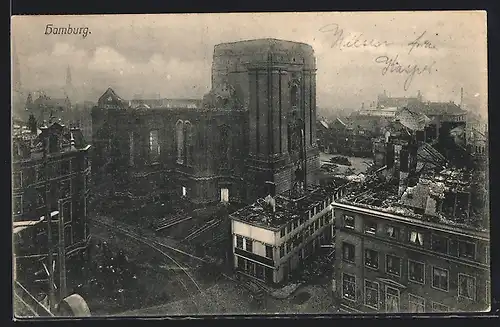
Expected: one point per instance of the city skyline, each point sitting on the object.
(351, 57)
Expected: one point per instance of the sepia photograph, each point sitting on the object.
(226, 164)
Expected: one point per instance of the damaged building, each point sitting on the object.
(255, 125)
(414, 237)
(276, 234)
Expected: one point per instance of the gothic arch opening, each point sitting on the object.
(179, 138)
(225, 146)
(188, 139)
(294, 95)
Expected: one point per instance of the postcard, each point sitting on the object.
(250, 164)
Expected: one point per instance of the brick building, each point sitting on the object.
(414, 238)
(257, 124)
(68, 173)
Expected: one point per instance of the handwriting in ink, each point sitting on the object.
(420, 42)
(340, 41)
(393, 66)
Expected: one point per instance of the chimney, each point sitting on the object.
(461, 97)
(271, 188)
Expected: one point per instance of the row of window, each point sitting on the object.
(438, 243)
(300, 237)
(248, 246)
(416, 304)
(37, 199)
(292, 225)
(30, 175)
(416, 271)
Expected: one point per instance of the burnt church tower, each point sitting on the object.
(275, 81)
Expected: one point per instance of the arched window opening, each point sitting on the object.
(154, 146)
(225, 146)
(131, 149)
(294, 95)
(179, 135)
(188, 137)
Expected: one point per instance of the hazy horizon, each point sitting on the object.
(171, 55)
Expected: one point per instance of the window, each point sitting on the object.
(348, 252)
(349, 221)
(249, 245)
(416, 238)
(371, 294)
(488, 292)
(438, 307)
(65, 189)
(393, 232)
(467, 286)
(269, 251)
(131, 149)
(416, 304)
(184, 191)
(65, 167)
(348, 287)
(68, 235)
(239, 242)
(370, 227)
(393, 265)
(154, 146)
(17, 179)
(40, 199)
(294, 92)
(225, 146)
(371, 258)
(188, 138)
(288, 246)
(224, 195)
(40, 173)
(466, 249)
(179, 133)
(66, 211)
(439, 244)
(416, 271)
(17, 207)
(282, 250)
(440, 278)
(391, 299)
(87, 181)
(283, 232)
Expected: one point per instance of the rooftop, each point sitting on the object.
(441, 197)
(289, 206)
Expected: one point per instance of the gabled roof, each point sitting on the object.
(437, 108)
(412, 120)
(111, 100)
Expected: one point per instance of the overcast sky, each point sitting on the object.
(172, 54)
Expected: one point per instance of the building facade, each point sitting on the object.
(272, 238)
(414, 236)
(58, 180)
(389, 263)
(257, 124)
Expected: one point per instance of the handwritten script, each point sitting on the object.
(391, 64)
(340, 40)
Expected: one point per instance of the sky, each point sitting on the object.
(171, 55)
